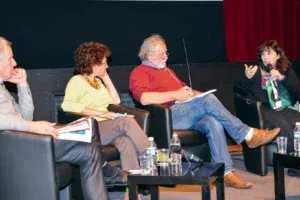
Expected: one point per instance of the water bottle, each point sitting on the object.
(297, 138)
(175, 145)
(175, 151)
(151, 155)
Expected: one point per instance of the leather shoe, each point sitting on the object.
(118, 179)
(232, 180)
(261, 137)
(293, 172)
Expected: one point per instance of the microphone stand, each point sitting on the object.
(187, 64)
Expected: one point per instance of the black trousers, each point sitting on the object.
(284, 119)
(90, 160)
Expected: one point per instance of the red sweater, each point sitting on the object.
(148, 79)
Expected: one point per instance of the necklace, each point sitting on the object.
(94, 83)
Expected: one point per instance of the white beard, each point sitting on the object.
(161, 66)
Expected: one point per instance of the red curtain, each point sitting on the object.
(249, 22)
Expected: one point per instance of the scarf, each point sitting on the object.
(283, 94)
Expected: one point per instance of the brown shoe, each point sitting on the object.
(232, 180)
(261, 137)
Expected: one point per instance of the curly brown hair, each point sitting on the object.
(283, 62)
(89, 54)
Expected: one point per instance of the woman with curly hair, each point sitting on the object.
(91, 91)
(274, 65)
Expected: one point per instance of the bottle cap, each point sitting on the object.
(297, 123)
(150, 138)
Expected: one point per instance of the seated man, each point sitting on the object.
(18, 116)
(154, 83)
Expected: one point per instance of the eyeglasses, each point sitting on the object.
(162, 54)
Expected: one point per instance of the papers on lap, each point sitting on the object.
(198, 96)
(79, 130)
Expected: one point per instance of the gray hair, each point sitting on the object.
(3, 42)
(148, 45)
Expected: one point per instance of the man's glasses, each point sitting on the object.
(162, 54)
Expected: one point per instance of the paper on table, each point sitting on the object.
(198, 96)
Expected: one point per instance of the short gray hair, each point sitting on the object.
(3, 42)
(148, 45)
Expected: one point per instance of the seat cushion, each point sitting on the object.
(190, 137)
(64, 174)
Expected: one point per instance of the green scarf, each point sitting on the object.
(283, 94)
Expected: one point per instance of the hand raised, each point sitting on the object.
(250, 70)
(19, 76)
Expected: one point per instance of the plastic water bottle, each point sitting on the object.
(151, 154)
(297, 138)
(175, 151)
(175, 145)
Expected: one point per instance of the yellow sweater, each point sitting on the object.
(79, 95)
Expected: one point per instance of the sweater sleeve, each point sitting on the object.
(292, 83)
(13, 122)
(245, 85)
(25, 102)
(72, 96)
(139, 82)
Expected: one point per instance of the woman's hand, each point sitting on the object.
(276, 75)
(250, 70)
(107, 114)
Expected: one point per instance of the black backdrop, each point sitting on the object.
(46, 33)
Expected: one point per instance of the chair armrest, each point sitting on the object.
(67, 117)
(249, 111)
(27, 159)
(141, 116)
(160, 124)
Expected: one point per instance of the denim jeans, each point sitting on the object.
(209, 116)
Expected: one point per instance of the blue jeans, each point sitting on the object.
(209, 116)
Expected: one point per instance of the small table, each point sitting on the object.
(204, 176)
(280, 161)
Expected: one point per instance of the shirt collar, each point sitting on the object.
(149, 64)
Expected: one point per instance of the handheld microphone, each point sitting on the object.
(270, 67)
(187, 64)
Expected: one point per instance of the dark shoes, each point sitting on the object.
(293, 172)
(261, 137)
(118, 179)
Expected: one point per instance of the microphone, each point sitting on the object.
(270, 67)
(187, 64)
(187, 155)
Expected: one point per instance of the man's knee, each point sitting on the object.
(211, 124)
(92, 153)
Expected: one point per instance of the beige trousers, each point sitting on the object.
(127, 136)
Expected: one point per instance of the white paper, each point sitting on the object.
(118, 115)
(198, 96)
(84, 134)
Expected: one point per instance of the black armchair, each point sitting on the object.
(161, 129)
(110, 151)
(28, 168)
(251, 112)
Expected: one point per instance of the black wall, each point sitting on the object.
(46, 33)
